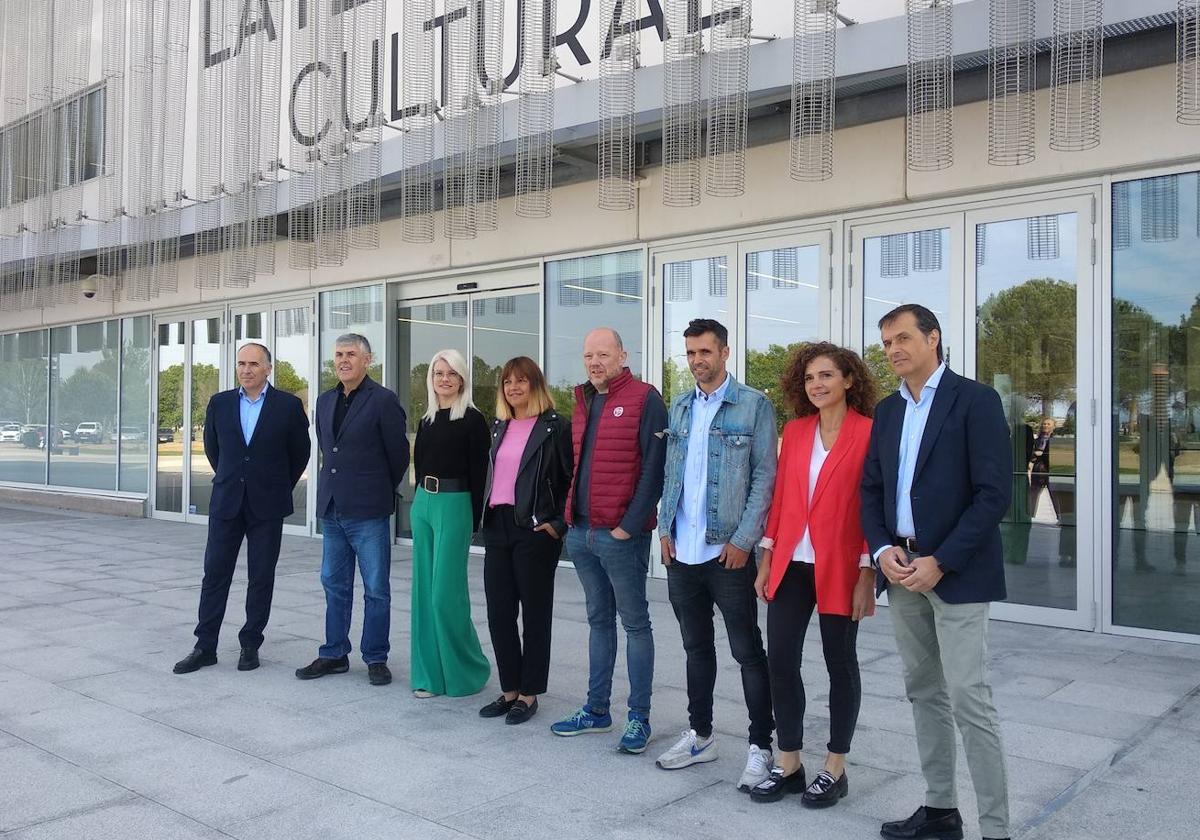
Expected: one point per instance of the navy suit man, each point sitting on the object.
(936, 483)
(256, 439)
(363, 436)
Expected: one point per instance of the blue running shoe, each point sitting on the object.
(583, 722)
(635, 737)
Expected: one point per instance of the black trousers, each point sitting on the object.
(518, 580)
(220, 558)
(694, 590)
(787, 622)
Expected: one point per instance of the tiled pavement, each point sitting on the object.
(98, 739)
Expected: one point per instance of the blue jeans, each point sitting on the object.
(613, 575)
(371, 541)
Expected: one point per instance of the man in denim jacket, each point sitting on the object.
(720, 472)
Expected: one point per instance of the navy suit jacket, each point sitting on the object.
(363, 465)
(263, 473)
(961, 489)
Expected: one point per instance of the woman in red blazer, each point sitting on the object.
(814, 556)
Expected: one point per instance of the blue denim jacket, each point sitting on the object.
(742, 450)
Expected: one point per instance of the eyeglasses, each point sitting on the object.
(438, 374)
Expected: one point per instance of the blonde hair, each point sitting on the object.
(540, 398)
(459, 365)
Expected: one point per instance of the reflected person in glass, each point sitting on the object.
(529, 472)
(450, 458)
(814, 557)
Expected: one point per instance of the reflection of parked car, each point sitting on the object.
(35, 438)
(166, 435)
(128, 433)
(88, 432)
(10, 433)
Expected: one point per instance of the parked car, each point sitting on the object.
(88, 432)
(166, 435)
(10, 433)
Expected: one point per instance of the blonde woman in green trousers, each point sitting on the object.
(451, 461)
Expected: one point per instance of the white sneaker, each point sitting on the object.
(688, 750)
(758, 767)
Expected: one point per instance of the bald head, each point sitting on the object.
(603, 356)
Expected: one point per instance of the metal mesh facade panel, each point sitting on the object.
(618, 60)
(1011, 81)
(1187, 62)
(927, 252)
(416, 180)
(1160, 208)
(727, 107)
(813, 89)
(1076, 65)
(682, 48)
(1122, 227)
(930, 128)
(461, 109)
(489, 79)
(535, 110)
(893, 255)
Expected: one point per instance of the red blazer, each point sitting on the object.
(832, 518)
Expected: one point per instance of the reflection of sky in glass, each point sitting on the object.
(694, 289)
(930, 288)
(606, 290)
(1162, 277)
(1007, 262)
(781, 307)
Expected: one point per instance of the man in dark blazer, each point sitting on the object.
(936, 483)
(256, 439)
(363, 436)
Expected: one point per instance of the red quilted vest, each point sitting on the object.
(617, 457)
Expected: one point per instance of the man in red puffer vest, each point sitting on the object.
(619, 435)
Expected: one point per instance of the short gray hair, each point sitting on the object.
(266, 352)
(355, 338)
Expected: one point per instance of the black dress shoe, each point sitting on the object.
(776, 786)
(248, 661)
(379, 673)
(521, 712)
(825, 790)
(195, 660)
(921, 826)
(321, 667)
(497, 708)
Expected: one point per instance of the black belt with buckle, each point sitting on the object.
(909, 544)
(433, 484)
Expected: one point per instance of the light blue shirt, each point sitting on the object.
(691, 520)
(250, 410)
(916, 415)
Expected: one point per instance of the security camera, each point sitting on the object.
(89, 286)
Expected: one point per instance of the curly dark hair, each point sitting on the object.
(863, 393)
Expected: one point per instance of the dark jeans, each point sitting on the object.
(370, 541)
(694, 591)
(518, 577)
(787, 622)
(220, 559)
(613, 575)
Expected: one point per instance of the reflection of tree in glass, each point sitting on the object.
(885, 378)
(1027, 333)
(23, 390)
(287, 379)
(205, 381)
(329, 375)
(88, 394)
(764, 371)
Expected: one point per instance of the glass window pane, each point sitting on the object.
(584, 293)
(93, 134)
(1026, 349)
(501, 328)
(292, 372)
(1156, 403)
(135, 435)
(24, 368)
(782, 312)
(903, 268)
(206, 381)
(352, 311)
(697, 288)
(81, 439)
(169, 431)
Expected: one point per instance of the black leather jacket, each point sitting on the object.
(545, 473)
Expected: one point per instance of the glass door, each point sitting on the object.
(488, 328)
(1030, 277)
(189, 351)
(287, 327)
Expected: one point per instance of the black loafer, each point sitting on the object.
(195, 660)
(825, 790)
(321, 667)
(497, 708)
(921, 826)
(379, 673)
(776, 786)
(521, 712)
(248, 661)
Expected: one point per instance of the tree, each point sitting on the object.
(286, 379)
(765, 370)
(1027, 333)
(170, 397)
(886, 380)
